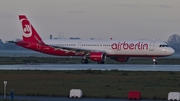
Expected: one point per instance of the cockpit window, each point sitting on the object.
(163, 45)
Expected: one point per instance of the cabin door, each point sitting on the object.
(151, 47)
(38, 46)
(79, 45)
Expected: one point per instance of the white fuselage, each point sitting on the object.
(132, 48)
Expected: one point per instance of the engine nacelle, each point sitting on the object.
(97, 56)
(122, 59)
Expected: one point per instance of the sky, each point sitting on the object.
(99, 19)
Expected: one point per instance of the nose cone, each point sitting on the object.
(170, 51)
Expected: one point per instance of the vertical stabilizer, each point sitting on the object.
(29, 33)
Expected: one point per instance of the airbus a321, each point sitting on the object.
(96, 50)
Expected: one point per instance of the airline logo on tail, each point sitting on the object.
(29, 33)
(26, 28)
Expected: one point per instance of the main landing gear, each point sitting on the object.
(154, 61)
(84, 61)
(102, 62)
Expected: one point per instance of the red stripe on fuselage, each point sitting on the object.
(47, 49)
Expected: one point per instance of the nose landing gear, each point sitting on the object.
(154, 61)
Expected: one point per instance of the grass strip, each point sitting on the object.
(93, 83)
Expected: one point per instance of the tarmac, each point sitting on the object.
(123, 67)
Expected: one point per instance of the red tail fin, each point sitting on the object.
(29, 33)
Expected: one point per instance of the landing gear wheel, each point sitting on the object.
(102, 62)
(84, 61)
(154, 61)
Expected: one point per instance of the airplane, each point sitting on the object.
(95, 50)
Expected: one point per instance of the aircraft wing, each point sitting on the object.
(75, 50)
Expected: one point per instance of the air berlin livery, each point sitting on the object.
(96, 50)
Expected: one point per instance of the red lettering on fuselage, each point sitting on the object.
(129, 46)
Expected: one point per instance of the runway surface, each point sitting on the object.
(125, 67)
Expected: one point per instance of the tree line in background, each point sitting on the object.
(173, 41)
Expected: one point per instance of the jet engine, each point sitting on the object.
(97, 56)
